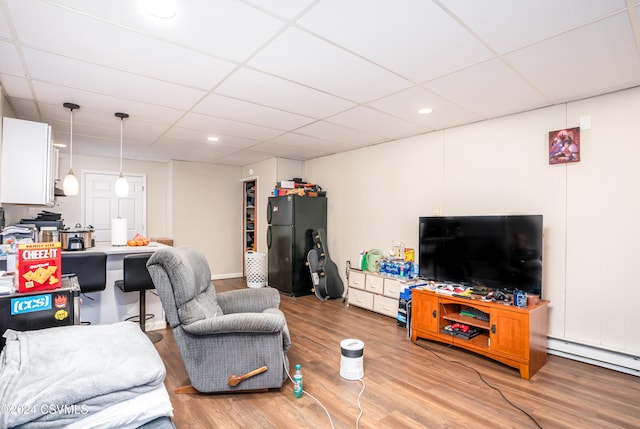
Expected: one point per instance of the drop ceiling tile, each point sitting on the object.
(590, 60)
(303, 58)
(228, 29)
(15, 87)
(286, 9)
(423, 41)
(10, 63)
(106, 126)
(102, 106)
(136, 151)
(508, 25)
(416, 39)
(375, 122)
(109, 148)
(144, 134)
(336, 133)
(405, 105)
(217, 126)
(312, 148)
(189, 151)
(267, 90)
(243, 158)
(92, 146)
(80, 75)
(4, 26)
(244, 111)
(113, 46)
(26, 109)
(199, 137)
(474, 89)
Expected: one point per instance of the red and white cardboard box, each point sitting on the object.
(39, 266)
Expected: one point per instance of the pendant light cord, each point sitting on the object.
(71, 107)
(122, 117)
(121, 134)
(71, 142)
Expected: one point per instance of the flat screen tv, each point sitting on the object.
(496, 252)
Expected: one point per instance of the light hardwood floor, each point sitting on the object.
(421, 385)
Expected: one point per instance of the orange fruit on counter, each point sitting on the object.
(131, 242)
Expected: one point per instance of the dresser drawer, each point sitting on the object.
(356, 279)
(385, 305)
(374, 284)
(392, 288)
(360, 298)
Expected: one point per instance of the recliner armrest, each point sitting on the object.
(248, 300)
(237, 323)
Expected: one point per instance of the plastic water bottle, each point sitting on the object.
(297, 383)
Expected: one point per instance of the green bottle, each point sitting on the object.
(297, 383)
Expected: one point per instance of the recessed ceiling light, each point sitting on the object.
(213, 139)
(425, 110)
(163, 9)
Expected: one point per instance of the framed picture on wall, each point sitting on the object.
(564, 146)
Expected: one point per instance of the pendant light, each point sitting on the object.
(70, 184)
(121, 187)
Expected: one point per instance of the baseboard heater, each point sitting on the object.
(616, 361)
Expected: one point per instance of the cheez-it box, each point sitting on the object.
(39, 266)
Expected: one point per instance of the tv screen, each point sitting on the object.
(497, 252)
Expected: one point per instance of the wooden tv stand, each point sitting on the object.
(514, 336)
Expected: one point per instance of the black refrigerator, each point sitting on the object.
(291, 220)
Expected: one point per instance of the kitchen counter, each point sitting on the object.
(114, 250)
(112, 304)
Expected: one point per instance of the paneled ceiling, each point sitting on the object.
(301, 79)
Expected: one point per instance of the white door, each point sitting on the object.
(102, 205)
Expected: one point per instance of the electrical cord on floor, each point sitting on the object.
(359, 405)
(309, 394)
(320, 403)
(482, 379)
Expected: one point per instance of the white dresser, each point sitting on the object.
(375, 292)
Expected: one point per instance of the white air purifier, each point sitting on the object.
(351, 359)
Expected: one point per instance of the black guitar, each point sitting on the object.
(324, 272)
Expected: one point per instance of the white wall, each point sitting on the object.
(192, 203)
(207, 213)
(591, 209)
(157, 189)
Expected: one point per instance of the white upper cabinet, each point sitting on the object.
(27, 164)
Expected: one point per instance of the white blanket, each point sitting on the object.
(129, 414)
(54, 377)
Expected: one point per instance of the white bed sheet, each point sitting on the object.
(131, 413)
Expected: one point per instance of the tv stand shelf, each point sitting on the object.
(514, 336)
(459, 318)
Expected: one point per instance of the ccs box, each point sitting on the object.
(39, 266)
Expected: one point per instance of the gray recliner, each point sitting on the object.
(220, 334)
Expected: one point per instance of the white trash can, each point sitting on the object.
(255, 268)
